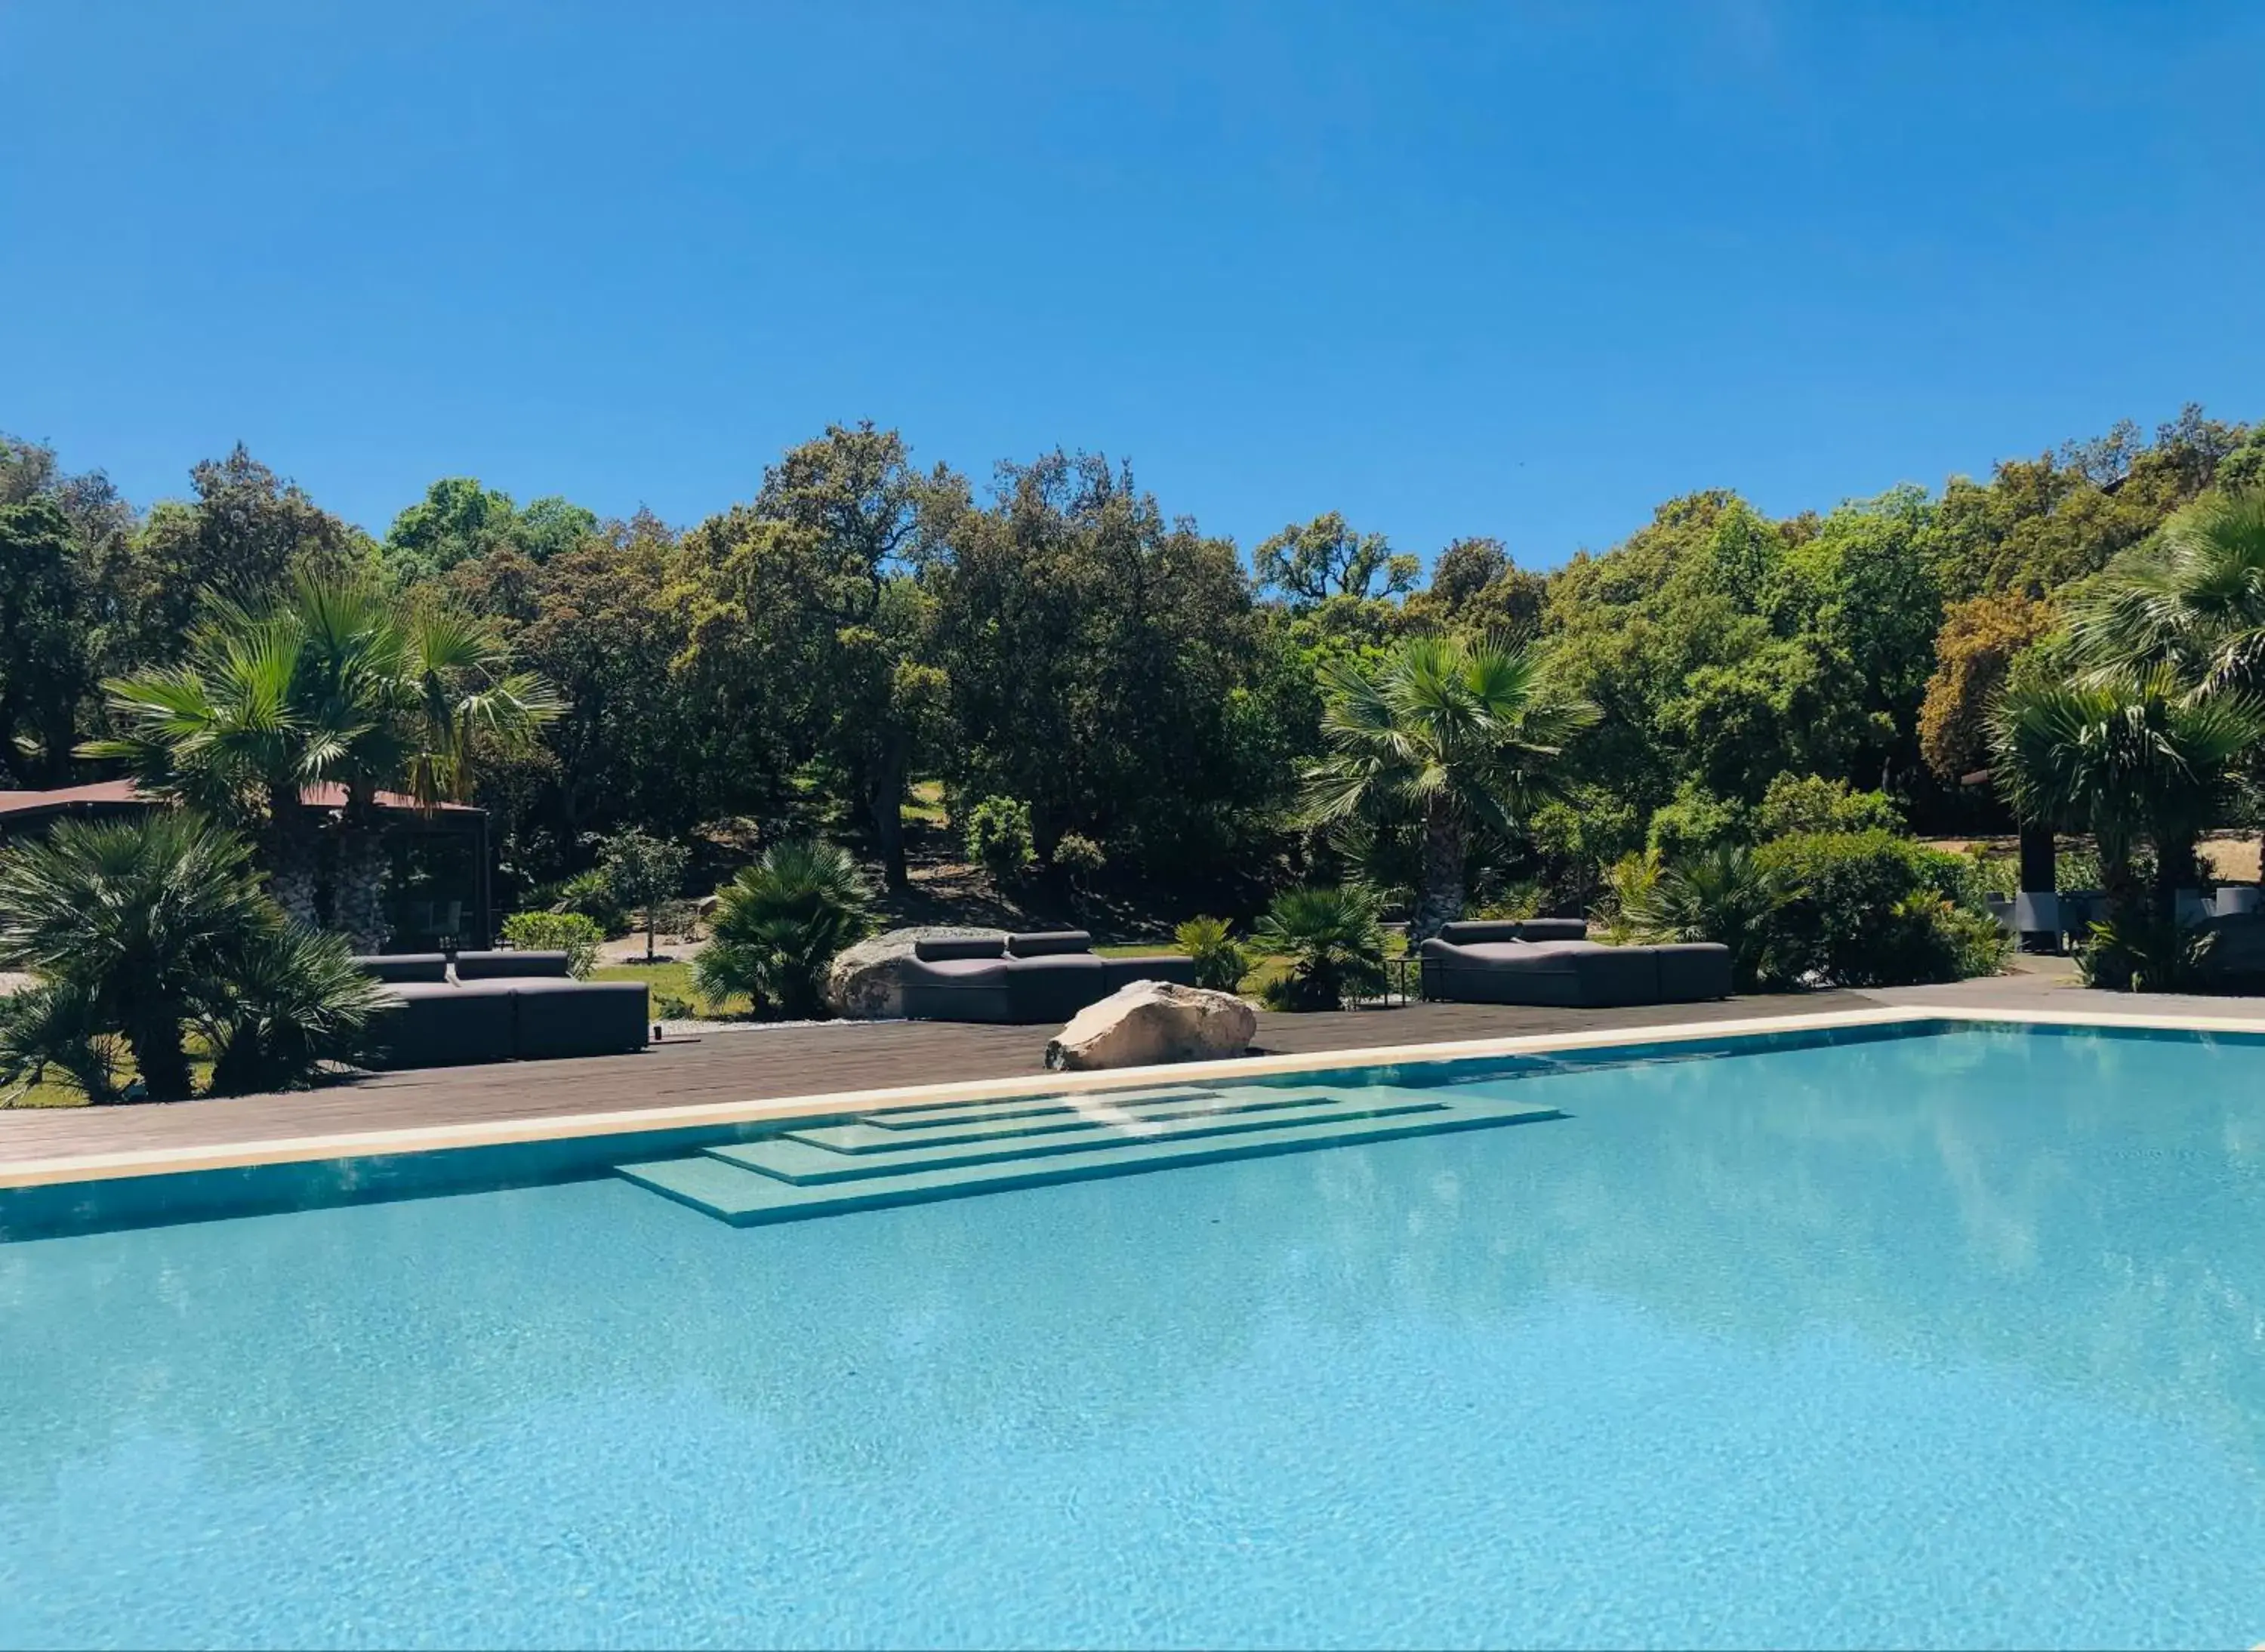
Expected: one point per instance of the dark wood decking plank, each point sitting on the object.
(764, 1065)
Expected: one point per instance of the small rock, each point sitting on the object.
(1149, 1023)
(862, 982)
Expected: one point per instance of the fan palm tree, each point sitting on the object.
(1334, 941)
(406, 689)
(2125, 756)
(131, 929)
(58, 1024)
(1723, 894)
(222, 732)
(780, 923)
(290, 1000)
(2194, 600)
(333, 682)
(1454, 733)
(139, 931)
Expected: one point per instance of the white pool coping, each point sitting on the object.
(102, 1167)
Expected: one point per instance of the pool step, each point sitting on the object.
(802, 1174)
(1033, 1107)
(1087, 1120)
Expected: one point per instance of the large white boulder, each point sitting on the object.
(861, 984)
(1147, 1022)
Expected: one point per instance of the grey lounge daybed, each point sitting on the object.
(1549, 961)
(502, 1006)
(1022, 979)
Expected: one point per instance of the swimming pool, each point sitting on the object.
(1957, 1338)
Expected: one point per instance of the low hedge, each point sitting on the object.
(568, 932)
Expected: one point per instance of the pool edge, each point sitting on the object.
(629, 1122)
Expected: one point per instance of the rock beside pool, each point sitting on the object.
(1149, 1023)
(862, 983)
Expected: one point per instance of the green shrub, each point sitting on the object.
(1079, 855)
(1333, 941)
(1870, 909)
(1810, 802)
(1973, 943)
(2078, 866)
(568, 932)
(779, 924)
(1577, 836)
(2144, 953)
(669, 1007)
(1221, 961)
(1694, 822)
(999, 838)
(1999, 875)
(1524, 899)
(590, 894)
(1628, 883)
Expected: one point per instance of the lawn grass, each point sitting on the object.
(672, 981)
(56, 1092)
(45, 1093)
(925, 806)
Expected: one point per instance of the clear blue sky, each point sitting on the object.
(1522, 270)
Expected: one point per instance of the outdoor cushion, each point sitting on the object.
(1169, 966)
(1478, 931)
(1027, 988)
(1573, 974)
(1484, 931)
(551, 1019)
(471, 966)
(943, 952)
(433, 1024)
(959, 989)
(1055, 987)
(1049, 943)
(482, 966)
(992, 967)
(405, 966)
(1691, 971)
(1553, 930)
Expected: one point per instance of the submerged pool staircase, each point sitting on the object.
(910, 1155)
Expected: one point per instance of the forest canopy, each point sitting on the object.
(1058, 636)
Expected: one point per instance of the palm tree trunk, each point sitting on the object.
(2126, 895)
(1441, 900)
(153, 1035)
(2175, 855)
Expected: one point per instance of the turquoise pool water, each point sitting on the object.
(1954, 1340)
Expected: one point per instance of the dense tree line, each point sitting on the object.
(1057, 637)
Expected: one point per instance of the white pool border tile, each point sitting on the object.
(101, 1167)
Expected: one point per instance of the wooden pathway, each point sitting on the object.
(760, 1065)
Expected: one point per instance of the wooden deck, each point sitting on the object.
(758, 1064)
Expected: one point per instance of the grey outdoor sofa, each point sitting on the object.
(1022, 979)
(1550, 961)
(502, 1006)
